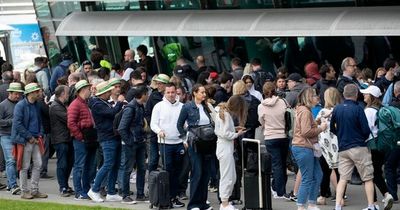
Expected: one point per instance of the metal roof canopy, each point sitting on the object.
(345, 21)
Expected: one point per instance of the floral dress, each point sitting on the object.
(327, 140)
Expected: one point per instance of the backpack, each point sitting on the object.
(118, 117)
(289, 120)
(260, 77)
(388, 122)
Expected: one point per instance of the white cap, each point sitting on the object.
(373, 90)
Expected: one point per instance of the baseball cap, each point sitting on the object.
(373, 90)
(296, 77)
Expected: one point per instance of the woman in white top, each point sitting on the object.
(371, 98)
(226, 133)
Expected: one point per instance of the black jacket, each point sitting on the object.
(343, 81)
(323, 85)
(58, 118)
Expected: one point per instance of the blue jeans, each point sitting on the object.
(84, 167)
(111, 153)
(391, 165)
(174, 154)
(131, 156)
(199, 177)
(65, 161)
(311, 175)
(278, 148)
(7, 145)
(154, 155)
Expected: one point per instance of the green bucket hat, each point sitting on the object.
(162, 78)
(114, 81)
(103, 87)
(81, 84)
(15, 87)
(31, 87)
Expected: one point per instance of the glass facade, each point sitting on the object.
(273, 51)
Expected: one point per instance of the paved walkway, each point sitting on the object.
(356, 201)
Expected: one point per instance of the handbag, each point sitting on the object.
(205, 140)
(316, 149)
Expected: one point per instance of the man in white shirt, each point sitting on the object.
(163, 122)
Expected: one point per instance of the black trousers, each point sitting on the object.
(378, 159)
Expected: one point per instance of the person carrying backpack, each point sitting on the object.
(260, 75)
(371, 98)
(60, 70)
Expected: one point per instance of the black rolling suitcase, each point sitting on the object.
(257, 175)
(159, 188)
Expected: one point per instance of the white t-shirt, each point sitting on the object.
(370, 113)
(204, 120)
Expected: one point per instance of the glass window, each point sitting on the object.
(62, 9)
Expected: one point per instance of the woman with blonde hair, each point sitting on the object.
(329, 143)
(226, 133)
(305, 149)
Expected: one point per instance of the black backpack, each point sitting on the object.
(260, 77)
(118, 117)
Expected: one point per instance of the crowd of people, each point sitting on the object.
(109, 124)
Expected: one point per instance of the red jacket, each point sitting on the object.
(79, 117)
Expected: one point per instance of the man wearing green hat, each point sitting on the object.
(103, 115)
(27, 130)
(81, 126)
(155, 97)
(116, 92)
(6, 113)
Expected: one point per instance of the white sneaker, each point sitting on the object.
(313, 208)
(113, 198)
(376, 208)
(388, 202)
(228, 207)
(195, 208)
(95, 196)
(208, 202)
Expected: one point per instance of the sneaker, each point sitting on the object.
(228, 207)
(81, 198)
(128, 200)
(15, 190)
(196, 208)
(2, 186)
(113, 198)
(321, 200)
(213, 189)
(183, 196)
(313, 208)
(388, 202)
(70, 190)
(290, 196)
(208, 202)
(142, 198)
(38, 194)
(64, 193)
(376, 207)
(279, 197)
(175, 203)
(95, 196)
(26, 195)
